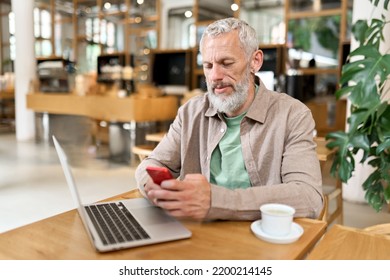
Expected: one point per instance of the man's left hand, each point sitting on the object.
(190, 198)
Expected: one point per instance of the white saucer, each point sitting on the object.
(293, 236)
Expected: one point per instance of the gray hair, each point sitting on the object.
(246, 33)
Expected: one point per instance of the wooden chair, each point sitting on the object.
(379, 229)
(324, 213)
(142, 151)
(332, 193)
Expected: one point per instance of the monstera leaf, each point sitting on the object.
(366, 73)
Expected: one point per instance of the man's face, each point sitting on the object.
(227, 72)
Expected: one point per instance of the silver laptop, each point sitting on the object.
(125, 223)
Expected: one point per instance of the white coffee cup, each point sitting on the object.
(276, 219)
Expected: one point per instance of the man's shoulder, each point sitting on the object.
(273, 105)
(284, 100)
(276, 96)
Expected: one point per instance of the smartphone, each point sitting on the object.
(159, 174)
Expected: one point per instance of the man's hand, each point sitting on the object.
(190, 198)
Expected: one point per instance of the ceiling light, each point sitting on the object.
(234, 7)
(107, 5)
(188, 14)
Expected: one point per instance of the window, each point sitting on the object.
(11, 19)
(42, 32)
(100, 31)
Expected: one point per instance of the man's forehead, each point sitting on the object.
(222, 42)
(232, 35)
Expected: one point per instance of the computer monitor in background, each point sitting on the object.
(109, 67)
(171, 71)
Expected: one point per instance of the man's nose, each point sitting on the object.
(216, 73)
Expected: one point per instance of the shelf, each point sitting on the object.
(317, 71)
(113, 14)
(310, 14)
(141, 30)
(271, 46)
(134, 20)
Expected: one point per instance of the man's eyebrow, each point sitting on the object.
(221, 60)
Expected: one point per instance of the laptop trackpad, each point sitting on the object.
(151, 216)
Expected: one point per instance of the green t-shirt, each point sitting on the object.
(227, 166)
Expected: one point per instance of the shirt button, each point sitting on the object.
(222, 130)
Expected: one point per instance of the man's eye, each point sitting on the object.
(207, 66)
(226, 64)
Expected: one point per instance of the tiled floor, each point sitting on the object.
(33, 187)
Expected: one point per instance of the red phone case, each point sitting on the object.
(159, 174)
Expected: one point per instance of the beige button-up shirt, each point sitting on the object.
(277, 147)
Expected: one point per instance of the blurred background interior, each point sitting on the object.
(102, 75)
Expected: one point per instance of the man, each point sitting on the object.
(238, 146)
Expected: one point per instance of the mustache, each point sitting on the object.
(214, 85)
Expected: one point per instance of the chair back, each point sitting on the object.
(324, 212)
(380, 229)
(142, 151)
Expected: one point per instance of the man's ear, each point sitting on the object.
(257, 61)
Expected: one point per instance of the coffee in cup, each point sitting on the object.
(276, 219)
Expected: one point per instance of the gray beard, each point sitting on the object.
(232, 103)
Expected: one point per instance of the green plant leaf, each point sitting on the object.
(327, 30)
(343, 91)
(363, 73)
(374, 33)
(350, 70)
(346, 168)
(383, 146)
(375, 162)
(387, 194)
(383, 126)
(337, 139)
(371, 64)
(357, 118)
(376, 2)
(359, 30)
(360, 141)
(374, 196)
(384, 111)
(384, 65)
(343, 163)
(371, 180)
(364, 95)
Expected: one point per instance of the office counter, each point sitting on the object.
(7, 108)
(107, 108)
(7, 94)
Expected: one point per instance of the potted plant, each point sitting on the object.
(364, 79)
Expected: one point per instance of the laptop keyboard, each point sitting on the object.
(115, 224)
